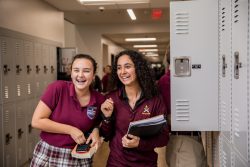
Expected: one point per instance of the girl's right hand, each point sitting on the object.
(77, 135)
(107, 107)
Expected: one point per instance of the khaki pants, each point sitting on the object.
(185, 151)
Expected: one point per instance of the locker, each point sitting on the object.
(38, 68)
(225, 151)
(45, 66)
(239, 78)
(8, 75)
(225, 75)
(19, 70)
(238, 161)
(9, 147)
(1, 135)
(53, 64)
(194, 64)
(21, 156)
(29, 69)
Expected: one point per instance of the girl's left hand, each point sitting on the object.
(95, 137)
(130, 141)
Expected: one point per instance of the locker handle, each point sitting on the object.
(28, 69)
(5, 69)
(237, 65)
(37, 69)
(8, 137)
(52, 69)
(224, 66)
(18, 69)
(30, 128)
(45, 69)
(20, 132)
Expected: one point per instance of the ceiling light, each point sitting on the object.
(148, 50)
(111, 2)
(152, 55)
(145, 46)
(131, 14)
(139, 39)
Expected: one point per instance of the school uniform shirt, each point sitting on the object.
(61, 98)
(144, 155)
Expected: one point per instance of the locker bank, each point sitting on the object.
(209, 41)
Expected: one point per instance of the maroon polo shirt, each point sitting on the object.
(164, 88)
(143, 155)
(60, 97)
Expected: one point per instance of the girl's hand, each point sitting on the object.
(130, 141)
(77, 135)
(96, 139)
(107, 107)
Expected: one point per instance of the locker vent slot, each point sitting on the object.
(236, 123)
(29, 89)
(20, 114)
(223, 18)
(224, 159)
(236, 14)
(182, 110)
(4, 49)
(182, 23)
(17, 49)
(6, 92)
(18, 88)
(6, 117)
(224, 114)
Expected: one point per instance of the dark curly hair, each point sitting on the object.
(143, 72)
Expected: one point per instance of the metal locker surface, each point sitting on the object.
(38, 69)
(225, 151)
(1, 135)
(29, 69)
(239, 76)
(239, 162)
(8, 76)
(21, 112)
(45, 66)
(194, 35)
(9, 135)
(225, 67)
(53, 64)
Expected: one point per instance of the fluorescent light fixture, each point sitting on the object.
(111, 2)
(152, 55)
(148, 50)
(145, 46)
(139, 39)
(131, 14)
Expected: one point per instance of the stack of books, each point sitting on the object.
(147, 127)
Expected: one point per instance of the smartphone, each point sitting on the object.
(82, 147)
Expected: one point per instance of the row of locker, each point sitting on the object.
(234, 82)
(210, 53)
(27, 67)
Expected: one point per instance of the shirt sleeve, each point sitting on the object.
(161, 139)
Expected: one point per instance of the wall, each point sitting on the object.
(32, 17)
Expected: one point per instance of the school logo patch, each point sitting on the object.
(91, 112)
(146, 110)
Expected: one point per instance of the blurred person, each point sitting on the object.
(107, 79)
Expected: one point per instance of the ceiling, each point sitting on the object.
(79, 14)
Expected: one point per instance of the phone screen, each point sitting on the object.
(82, 147)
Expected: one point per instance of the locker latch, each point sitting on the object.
(45, 69)
(237, 65)
(37, 69)
(224, 66)
(20, 132)
(18, 69)
(52, 69)
(30, 128)
(28, 69)
(5, 69)
(8, 137)
(182, 66)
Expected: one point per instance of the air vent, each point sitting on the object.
(224, 159)
(223, 113)
(236, 123)
(6, 117)
(182, 23)
(182, 108)
(29, 89)
(18, 88)
(223, 18)
(3, 48)
(236, 15)
(6, 92)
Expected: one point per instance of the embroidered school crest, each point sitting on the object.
(146, 110)
(91, 112)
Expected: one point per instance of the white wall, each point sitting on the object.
(33, 17)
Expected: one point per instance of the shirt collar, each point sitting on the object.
(72, 93)
(123, 95)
